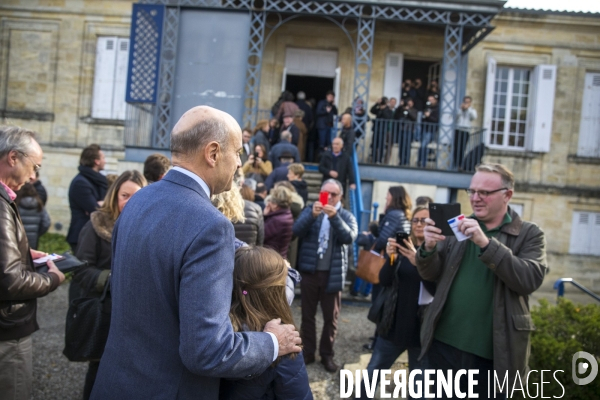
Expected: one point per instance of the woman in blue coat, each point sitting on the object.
(259, 283)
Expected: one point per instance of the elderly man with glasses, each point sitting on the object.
(20, 284)
(326, 231)
(479, 318)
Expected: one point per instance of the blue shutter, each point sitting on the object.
(144, 53)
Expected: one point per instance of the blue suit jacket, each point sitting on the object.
(170, 335)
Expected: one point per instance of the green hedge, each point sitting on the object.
(53, 243)
(562, 330)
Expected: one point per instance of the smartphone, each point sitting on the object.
(441, 213)
(324, 198)
(400, 236)
(256, 155)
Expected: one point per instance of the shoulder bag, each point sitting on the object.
(369, 265)
(88, 322)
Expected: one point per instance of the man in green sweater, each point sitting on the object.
(479, 318)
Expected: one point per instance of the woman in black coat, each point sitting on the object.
(398, 329)
(34, 216)
(94, 246)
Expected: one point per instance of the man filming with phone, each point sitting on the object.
(479, 318)
(326, 230)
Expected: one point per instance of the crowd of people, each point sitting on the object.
(201, 255)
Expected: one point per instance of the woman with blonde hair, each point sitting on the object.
(278, 220)
(94, 246)
(258, 296)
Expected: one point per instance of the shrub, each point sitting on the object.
(563, 330)
(53, 243)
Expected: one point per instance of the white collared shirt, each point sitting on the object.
(194, 177)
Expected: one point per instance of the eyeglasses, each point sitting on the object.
(36, 167)
(332, 194)
(482, 193)
(417, 221)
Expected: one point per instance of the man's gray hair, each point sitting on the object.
(286, 135)
(15, 138)
(301, 95)
(506, 175)
(190, 142)
(335, 181)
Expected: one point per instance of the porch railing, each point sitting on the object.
(418, 144)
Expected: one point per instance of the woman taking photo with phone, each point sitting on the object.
(398, 327)
(258, 167)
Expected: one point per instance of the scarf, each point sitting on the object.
(324, 232)
(96, 179)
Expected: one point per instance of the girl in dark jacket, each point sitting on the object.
(94, 246)
(398, 328)
(34, 216)
(259, 280)
(278, 220)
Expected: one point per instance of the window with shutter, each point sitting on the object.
(110, 78)
(585, 227)
(589, 126)
(518, 107)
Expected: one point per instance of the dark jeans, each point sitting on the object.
(442, 356)
(385, 354)
(461, 139)
(313, 288)
(324, 138)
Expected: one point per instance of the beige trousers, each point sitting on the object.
(16, 369)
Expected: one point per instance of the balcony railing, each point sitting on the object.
(419, 144)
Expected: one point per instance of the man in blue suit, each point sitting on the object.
(173, 255)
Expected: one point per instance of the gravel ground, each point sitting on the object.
(54, 377)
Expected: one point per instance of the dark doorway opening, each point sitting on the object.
(315, 87)
(414, 69)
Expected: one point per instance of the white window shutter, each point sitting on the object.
(589, 127)
(488, 106)
(593, 244)
(106, 50)
(539, 130)
(580, 232)
(118, 101)
(337, 82)
(392, 81)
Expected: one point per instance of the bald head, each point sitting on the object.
(198, 127)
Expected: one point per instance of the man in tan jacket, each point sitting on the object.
(479, 318)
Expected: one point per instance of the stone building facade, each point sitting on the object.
(47, 72)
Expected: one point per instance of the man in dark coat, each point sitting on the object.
(326, 111)
(337, 164)
(87, 191)
(307, 108)
(173, 258)
(283, 146)
(326, 231)
(260, 194)
(280, 173)
(429, 131)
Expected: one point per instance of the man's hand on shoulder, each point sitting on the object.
(287, 336)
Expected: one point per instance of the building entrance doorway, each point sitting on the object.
(315, 87)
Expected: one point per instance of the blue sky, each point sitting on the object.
(557, 5)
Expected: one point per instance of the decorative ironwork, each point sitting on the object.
(467, 19)
(477, 36)
(234, 4)
(146, 32)
(411, 14)
(256, 45)
(162, 118)
(449, 89)
(362, 74)
(314, 7)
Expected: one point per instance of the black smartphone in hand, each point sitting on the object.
(441, 213)
(400, 236)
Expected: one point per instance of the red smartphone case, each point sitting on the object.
(324, 197)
